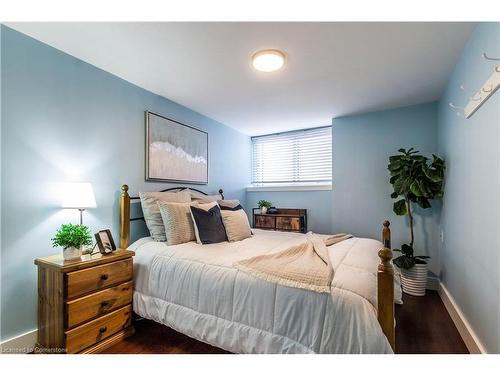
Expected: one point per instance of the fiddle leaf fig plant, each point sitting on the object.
(407, 260)
(416, 180)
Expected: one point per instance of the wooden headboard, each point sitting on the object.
(125, 200)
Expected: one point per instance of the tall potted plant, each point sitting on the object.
(416, 180)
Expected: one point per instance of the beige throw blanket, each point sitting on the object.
(304, 266)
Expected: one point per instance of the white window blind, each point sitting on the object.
(303, 156)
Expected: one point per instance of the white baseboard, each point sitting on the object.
(468, 335)
(21, 344)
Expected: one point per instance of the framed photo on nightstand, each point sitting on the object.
(105, 241)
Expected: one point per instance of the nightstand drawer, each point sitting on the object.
(95, 278)
(89, 307)
(97, 330)
(263, 221)
(288, 223)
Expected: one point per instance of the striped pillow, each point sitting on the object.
(178, 222)
(151, 211)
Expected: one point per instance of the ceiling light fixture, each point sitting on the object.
(268, 60)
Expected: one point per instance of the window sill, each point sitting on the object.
(318, 187)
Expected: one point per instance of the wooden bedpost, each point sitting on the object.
(386, 235)
(385, 288)
(124, 217)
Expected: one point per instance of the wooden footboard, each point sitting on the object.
(385, 288)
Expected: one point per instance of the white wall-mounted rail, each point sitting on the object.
(479, 97)
(483, 94)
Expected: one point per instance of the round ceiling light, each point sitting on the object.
(268, 60)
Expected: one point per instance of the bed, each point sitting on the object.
(196, 290)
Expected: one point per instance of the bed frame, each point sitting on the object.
(385, 273)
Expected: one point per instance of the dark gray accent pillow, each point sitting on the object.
(209, 225)
(235, 208)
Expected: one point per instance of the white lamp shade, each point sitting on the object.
(78, 195)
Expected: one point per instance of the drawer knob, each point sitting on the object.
(103, 329)
(104, 303)
(104, 277)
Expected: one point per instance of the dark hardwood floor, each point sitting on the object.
(423, 327)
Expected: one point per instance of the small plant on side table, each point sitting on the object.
(415, 179)
(264, 205)
(71, 238)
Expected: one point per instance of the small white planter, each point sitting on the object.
(414, 280)
(72, 253)
(263, 210)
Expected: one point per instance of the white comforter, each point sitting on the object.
(196, 290)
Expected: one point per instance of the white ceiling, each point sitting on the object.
(332, 69)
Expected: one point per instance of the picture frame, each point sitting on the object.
(175, 152)
(105, 241)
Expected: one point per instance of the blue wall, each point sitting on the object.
(63, 120)
(317, 203)
(361, 199)
(470, 252)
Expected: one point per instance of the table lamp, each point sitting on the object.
(78, 195)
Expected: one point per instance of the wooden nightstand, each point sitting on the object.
(286, 219)
(84, 306)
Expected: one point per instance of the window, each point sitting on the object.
(293, 158)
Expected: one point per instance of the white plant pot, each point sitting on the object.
(414, 280)
(72, 253)
(263, 210)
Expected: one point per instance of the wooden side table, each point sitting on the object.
(286, 219)
(84, 305)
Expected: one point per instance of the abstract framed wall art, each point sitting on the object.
(175, 152)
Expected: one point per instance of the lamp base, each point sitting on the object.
(81, 215)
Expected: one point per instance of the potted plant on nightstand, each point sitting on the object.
(264, 205)
(71, 238)
(415, 179)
